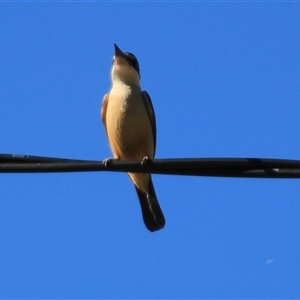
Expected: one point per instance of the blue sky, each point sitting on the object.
(225, 82)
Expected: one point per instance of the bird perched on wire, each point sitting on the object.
(129, 120)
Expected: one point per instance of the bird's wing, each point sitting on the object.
(103, 110)
(151, 115)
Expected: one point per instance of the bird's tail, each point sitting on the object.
(152, 214)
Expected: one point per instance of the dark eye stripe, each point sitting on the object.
(131, 59)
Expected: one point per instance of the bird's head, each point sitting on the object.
(125, 67)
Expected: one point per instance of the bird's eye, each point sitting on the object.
(132, 61)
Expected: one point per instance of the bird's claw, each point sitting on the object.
(108, 161)
(146, 161)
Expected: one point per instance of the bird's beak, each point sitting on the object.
(119, 57)
(119, 52)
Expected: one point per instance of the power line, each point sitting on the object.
(218, 167)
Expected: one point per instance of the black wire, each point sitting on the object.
(220, 167)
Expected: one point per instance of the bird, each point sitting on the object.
(129, 120)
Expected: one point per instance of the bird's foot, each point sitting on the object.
(146, 161)
(108, 161)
